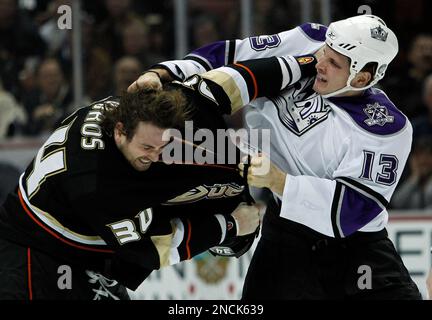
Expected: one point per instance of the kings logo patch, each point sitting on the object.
(377, 115)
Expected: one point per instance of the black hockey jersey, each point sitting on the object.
(81, 200)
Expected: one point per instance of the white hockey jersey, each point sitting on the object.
(344, 155)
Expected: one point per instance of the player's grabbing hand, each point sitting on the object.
(247, 218)
(148, 80)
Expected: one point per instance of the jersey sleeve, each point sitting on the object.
(304, 39)
(153, 239)
(170, 242)
(357, 193)
(175, 240)
(234, 86)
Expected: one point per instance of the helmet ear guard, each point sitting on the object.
(363, 39)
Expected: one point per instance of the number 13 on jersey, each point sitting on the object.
(387, 162)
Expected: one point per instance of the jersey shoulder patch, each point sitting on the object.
(373, 112)
(314, 31)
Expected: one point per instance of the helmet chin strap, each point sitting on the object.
(339, 91)
(348, 87)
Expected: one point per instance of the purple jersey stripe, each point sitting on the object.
(356, 211)
(373, 112)
(213, 53)
(314, 31)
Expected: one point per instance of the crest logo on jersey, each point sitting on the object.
(377, 114)
(300, 108)
(305, 60)
(379, 33)
(215, 191)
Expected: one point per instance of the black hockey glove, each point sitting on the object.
(235, 247)
(307, 65)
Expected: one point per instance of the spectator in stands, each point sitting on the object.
(126, 71)
(54, 37)
(19, 41)
(422, 125)
(416, 191)
(158, 38)
(109, 33)
(98, 74)
(134, 41)
(97, 62)
(272, 16)
(205, 29)
(51, 101)
(406, 87)
(228, 12)
(12, 115)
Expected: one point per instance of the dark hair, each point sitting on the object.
(165, 109)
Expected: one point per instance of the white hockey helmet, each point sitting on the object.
(363, 39)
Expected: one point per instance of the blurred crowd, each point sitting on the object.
(121, 38)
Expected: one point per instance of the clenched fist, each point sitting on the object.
(262, 173)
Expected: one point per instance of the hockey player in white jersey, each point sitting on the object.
(338, 149)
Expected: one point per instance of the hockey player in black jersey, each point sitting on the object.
(92, 196)
(97, 199)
